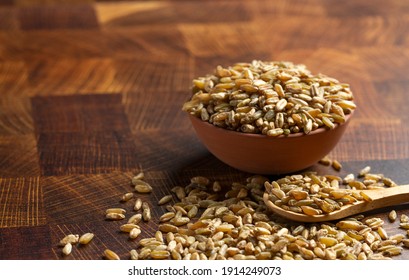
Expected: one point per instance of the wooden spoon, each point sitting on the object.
(380, 198)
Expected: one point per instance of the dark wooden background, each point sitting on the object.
(91, 94)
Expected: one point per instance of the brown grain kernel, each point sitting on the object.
(167, 216)
(327, 121)
(176, 255)
(146, 241)
(70, 238)
(144, 253)
(392, 251)
(216, 186)
(127, 197)
(200, 180)
(135, 219)
(388, 182)
(168, 228)
(137, 178)
(145, 205)
(86, 238)
(114, 216)
(328, 241)
(115, 210)
(180, 221)
(404, 225)
(398, 237)
(366, 197)
(310, 211)
(336, 165)
(165, 199)
(67, 249)
(110, 255)
(325, 161)
(348, 178)
(134, 254)
(364, 171)
(134, 233)
(159, 254)
(180, 192)
(146, 214)
(357, 185)
(128, 227)
(193, 212)
(138, 204)
(392, 216)
(143, 188)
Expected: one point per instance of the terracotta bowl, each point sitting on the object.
(261, 154)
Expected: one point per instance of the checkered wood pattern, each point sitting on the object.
(91, 93)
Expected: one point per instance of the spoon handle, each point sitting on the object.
(387, 197)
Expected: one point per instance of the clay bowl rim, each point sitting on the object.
(262, 136)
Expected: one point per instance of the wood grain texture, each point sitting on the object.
(8, 19)
(162, 13)
(21, 202)
(35, 44)
(91, 94)
(57, 17)
(14, 244)
(19, 156)
(83, 76)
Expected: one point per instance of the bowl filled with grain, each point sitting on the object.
(269, 117)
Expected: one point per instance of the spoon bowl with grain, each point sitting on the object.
(373, 199)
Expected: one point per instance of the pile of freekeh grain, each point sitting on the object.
(201, 221)
(271, 98)
(312, 194)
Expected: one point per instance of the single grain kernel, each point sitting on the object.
(114, 216)
(364, 171)
(168, 228)
(404, 225)
(116, 210)
(167, 216)
(128, 227)
(86, 238)
(392, 216)
(165, 199)
(134, 233)
(159, 254)
(310, 211)
(146, 214)
(134, 254)
(138, 204)
(67, 249)
(336, 165)
(325, 161)
(127, 197)
(179, 191)
(366, 197)
(135, 219)
(110, 255)
(143, 188)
